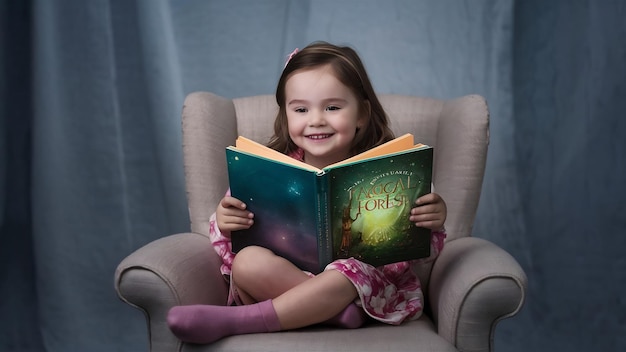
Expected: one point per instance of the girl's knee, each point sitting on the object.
(251, 260)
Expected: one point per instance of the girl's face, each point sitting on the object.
(322, 115)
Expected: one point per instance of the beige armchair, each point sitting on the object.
(470, 287)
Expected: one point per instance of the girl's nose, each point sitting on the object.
(316, 118)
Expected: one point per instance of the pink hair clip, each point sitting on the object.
(294, 52)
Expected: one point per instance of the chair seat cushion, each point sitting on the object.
(418, 335)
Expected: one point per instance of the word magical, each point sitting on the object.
(383, 194)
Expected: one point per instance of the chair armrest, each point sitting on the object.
(473, 285)
(175, 270)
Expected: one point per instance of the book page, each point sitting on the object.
(404, 142)
(252, 147)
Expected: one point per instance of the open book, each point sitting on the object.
(355, 208)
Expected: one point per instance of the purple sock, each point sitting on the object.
(351, 317)
(206, 324)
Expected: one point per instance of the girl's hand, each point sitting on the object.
(430, 212)
(231, 215)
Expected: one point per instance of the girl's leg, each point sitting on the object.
(300, 301)
(316, 300)
(208, 323)
(277, 279)
(260, 275)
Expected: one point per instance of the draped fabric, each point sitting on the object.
(91, 159)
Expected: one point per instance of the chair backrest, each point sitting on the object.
(458, 129)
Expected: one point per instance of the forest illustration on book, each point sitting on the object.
(356, 208)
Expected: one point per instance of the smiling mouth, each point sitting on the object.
(319, 136)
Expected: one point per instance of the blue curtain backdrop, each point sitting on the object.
(91, 158)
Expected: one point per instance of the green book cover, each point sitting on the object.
(312, 217)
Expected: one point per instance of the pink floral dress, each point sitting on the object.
(391, 293)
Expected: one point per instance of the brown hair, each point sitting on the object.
(349, 70)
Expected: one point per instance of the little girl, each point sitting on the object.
(328, 111)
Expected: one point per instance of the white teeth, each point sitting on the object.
(319, 136)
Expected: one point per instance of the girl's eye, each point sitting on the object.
(300, 110)
(332, 108)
